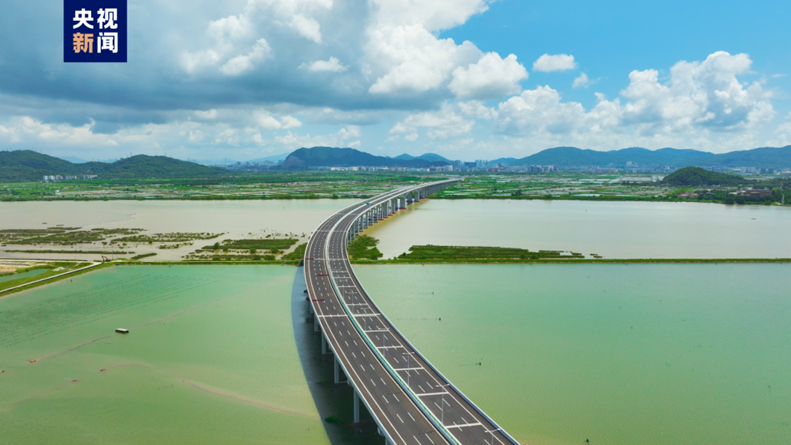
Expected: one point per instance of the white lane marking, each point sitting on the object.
(410, 416)
(464, 426)
(432, 394)
(385, 398)
(372, 381)
(402, 420)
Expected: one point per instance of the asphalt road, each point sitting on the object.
(372, 352)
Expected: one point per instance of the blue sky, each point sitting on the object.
(468, 79)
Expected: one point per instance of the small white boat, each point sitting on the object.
(122, 331)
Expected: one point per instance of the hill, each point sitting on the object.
(779, 157)
(432, 157)
(348, 157)
(27, 165)
(696, 176)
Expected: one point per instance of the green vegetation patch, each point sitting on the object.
(55, 268)
(273, 245)
(364, 247)
(98, 252)
(696, 176)
(143, 255)
(297, 254)
(459, 253)
(176, 237)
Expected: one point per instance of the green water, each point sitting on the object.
(30, 273)
(210, 359)
(617, 354)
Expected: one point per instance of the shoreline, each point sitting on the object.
(98, 266)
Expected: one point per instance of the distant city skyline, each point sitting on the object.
(466, 79)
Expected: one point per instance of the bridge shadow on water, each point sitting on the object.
(332, 401)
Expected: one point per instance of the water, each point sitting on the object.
(611, 229)
(237, 219)
(30, 273)
(210, 359)
(618, 354)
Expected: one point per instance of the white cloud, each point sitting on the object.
(267, 122)
(700, 96)
(339, 139)
(244, 63)
(581, 81)
(298, 15)
(434, 15)
(490, 78)
(333, 65)
(413, 60)
(559, 62)
(443, 124)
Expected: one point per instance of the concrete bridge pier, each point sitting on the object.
(337, 371)
(356, 407)
(324, 345)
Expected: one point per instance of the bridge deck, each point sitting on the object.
(402, 391)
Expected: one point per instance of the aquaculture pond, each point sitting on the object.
(210, 359)
(660, 354)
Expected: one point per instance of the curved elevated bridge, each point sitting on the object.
(410, 400)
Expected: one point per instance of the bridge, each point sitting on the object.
(408, 398)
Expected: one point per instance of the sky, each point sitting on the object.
(467, 79)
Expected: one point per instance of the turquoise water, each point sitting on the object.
(617, 354)
(210, 359)
(30, 273)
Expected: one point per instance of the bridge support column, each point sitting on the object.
(356, 407)
(324, 344)
(315, 322)
(336, 367)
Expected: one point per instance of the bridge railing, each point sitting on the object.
(429, 364)
(390, 370)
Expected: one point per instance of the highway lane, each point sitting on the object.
(403, 392)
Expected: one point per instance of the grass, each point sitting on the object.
(273, 245)
(143, 255)
(67, 266)
(297, 255)
(100, 252)
(176, 237)
(364, 247)
(457, 253)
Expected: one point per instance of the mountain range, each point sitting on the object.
(776, 157)
(349, 157)
(27, 165)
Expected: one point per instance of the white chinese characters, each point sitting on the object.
(107, 18)
(83, 17)
(107, 41)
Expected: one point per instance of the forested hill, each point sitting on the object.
(696, 176)
(27, 165)
(348, 157)
(776, 157)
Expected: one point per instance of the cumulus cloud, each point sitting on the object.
(244, 63)
(340, 139)
(434, 15)
(489, 78)
(267, 122)
(333, 65)
(581, 81)
(703, 95)
(559, 62)
(413, 59)
(442, 124)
